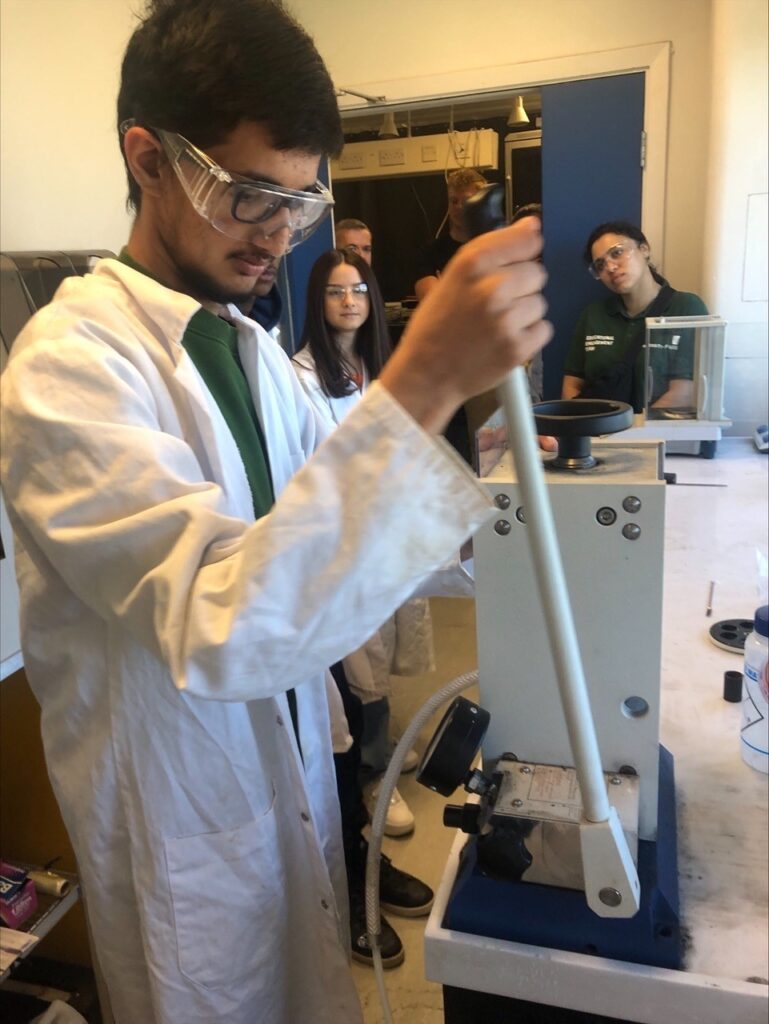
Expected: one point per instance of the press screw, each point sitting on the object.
(610, 897)
(502, 527)
(615, 780)
(631, 531)
(606, 516)
(632, 504)
(517, 802)
(502, 501)
(520, 515)
(525, 770)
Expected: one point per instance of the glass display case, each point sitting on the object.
(684, 369)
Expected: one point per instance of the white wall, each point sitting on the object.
(62, 184)
(736, 275)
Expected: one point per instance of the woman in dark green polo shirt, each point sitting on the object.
(606, 358)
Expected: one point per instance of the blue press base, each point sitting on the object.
(560, 918)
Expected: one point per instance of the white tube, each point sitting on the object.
(406, 742)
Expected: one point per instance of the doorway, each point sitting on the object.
(647, 66)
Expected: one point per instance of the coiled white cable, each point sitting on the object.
(373, 915)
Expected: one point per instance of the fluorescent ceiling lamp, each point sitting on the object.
(518, 114)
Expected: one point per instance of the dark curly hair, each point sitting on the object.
(201, 67)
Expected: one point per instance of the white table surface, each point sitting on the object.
(712, 533)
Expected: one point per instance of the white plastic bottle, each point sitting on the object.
(755, 695)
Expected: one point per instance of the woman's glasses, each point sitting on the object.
(617, 254)
(338, 291)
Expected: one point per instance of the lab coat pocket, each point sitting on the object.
(227, 890)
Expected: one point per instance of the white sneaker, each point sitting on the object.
(399, 820)
(410, 761)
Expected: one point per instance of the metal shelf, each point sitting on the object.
(50, 910)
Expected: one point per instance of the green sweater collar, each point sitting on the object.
(204, 321)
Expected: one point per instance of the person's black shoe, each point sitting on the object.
(390, 944)
(401, 893)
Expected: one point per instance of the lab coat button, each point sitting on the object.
(324, 904)
(279, 720)
(305, 816)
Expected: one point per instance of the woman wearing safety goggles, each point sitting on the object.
(606, 358)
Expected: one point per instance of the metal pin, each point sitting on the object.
(709, 609)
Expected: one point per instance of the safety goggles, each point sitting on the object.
(617, 254)
(239, 207)
(338, 291)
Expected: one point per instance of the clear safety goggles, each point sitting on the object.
(617, 254)
(239, 207)
(338, 291)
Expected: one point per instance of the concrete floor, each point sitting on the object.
(423, 853)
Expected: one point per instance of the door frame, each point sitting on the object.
(479, 83)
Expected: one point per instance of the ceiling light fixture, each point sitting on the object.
(518, 114)
(389, 129)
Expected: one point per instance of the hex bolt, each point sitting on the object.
(631, 531)
(606, 516)
(502, 527)
(502, 501)
(610, 897)
(632, 504)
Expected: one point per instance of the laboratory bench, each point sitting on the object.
(716, 532)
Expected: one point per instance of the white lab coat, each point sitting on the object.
(403, 645)
(161, 628)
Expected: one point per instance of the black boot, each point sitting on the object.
(399, 892)
(390, 945)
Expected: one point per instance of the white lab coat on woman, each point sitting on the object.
(403, 645)
(161, 627)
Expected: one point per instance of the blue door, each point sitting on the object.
(295, 272)
(591, 173)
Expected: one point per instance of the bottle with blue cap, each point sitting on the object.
(755, 694)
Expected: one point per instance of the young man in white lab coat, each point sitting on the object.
(188, 566)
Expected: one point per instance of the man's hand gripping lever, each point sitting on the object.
(611, 880)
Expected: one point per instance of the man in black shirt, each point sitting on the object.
(460, 185)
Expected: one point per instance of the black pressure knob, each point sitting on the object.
(465, 817)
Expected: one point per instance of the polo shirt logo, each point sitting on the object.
(594, 341)
(669, 344)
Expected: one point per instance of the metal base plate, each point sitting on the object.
(560, 918)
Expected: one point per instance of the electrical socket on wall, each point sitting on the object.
(392, 156)
(352, 160)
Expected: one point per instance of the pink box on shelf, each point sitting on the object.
(18, 899)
